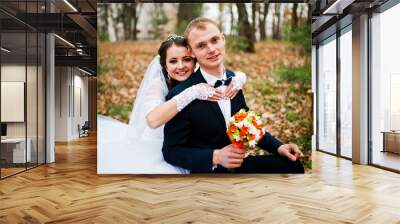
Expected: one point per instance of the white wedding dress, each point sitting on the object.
(135, 148)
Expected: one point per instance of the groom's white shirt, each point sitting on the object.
(224, 105)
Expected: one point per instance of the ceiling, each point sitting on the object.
(74, 22)
(330, 15)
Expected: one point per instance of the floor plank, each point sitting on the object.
(70, 191)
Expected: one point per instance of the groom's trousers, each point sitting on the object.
(265, 164)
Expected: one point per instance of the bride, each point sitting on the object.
(136, 148)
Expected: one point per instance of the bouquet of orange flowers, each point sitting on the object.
(245, 129)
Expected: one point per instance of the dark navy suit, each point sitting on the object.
(195, 132)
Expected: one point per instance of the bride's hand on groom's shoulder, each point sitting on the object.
(291, 151)
(237, 84)
(209, 93)
(229, 156)
(231, 91)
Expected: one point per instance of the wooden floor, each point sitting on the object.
(10, 171)
(70, 191)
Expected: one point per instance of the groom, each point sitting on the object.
(196, 138)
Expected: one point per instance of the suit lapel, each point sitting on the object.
(217, 110)
(233, 106)
(234, 101)
(213, 105)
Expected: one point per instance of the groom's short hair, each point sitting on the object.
(199, 23)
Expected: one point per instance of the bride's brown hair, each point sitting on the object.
(162, 51)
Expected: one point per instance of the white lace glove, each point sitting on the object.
(239, 80)
(199, 91)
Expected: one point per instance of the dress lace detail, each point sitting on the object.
(199, 91)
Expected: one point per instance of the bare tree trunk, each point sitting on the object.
(135, 17)
(273, 25)
(131, 12)
(309, 14)
(186, 13)
(262, 20)
(232, 18)
(253, 15)
(117, 21)
(106, 16)
(300, 15)
(278, 32)
(126, 19)
(295, 18)
(245, 30)
(221, 15)
(276, 22)
(104, 9)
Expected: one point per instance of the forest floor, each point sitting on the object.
(285, 106)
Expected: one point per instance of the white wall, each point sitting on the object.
(33, 126)
(80, 94)
(71, 87)
(61, 103)
(12, 73)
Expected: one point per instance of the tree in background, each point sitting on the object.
(186, 13)
(114, 20)
(295, 19)
(298, 30)
(254, 19)
(103, 15)
(247, 22)
(158, 21)
(118, 20)
(262, 18)
(232, 25)
(221, 7)
(129, 15)
(135, 17)
(276, 22)
(245, 29)
(128, 11)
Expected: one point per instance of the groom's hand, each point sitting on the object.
(290, 151)
(229, 156)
